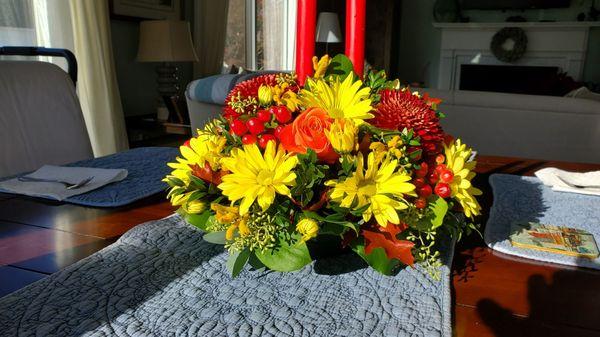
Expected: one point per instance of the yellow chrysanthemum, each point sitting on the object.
(320, 65)
(255, 176)
(308, 228)
(343, 135)
(457, 155)
(204, 148)
(380, 186)
(340, 99)
(181, 171)
(207, 147)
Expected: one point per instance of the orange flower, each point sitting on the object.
(308, 132)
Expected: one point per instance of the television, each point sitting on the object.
(513, 4)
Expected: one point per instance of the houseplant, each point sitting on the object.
(365, 162)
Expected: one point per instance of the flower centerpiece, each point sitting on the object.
(364, 162)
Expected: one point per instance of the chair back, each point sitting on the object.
(41, 121)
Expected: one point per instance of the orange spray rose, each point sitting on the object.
(308, 132)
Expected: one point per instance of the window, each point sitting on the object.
(42, 23)
(260, 34)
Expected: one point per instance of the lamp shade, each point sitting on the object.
(328, 28)
(165, 41)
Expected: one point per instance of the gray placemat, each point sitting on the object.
(162, 279)
(526, 199)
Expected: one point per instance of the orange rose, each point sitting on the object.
(308, 132)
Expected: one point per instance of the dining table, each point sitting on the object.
(493, 294)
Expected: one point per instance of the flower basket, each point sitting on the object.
(294, 172)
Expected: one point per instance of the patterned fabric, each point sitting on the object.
(162, 279)
(146, 167)
(526, 199)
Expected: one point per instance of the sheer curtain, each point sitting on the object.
(52, 23)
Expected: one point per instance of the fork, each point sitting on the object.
(577, 186)
(68, 185)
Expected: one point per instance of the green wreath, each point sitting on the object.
(509, 55)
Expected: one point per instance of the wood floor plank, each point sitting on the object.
(13, 279)
(44, 250)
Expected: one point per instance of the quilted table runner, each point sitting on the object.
(162, 279)
(526, 199)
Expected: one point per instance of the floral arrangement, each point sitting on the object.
(338, 162)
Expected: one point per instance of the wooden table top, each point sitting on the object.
(493, 294)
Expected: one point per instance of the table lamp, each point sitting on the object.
(328, 29)
(166, 41)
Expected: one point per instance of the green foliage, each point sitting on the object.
(333, 224)
(309, 175)
(198, 220)
(286, 257)
(377, 260)
(340, 66)
(218, 238)
(236, 261)
(377, 81)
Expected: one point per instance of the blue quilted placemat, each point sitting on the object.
(146, 167)
(526, 199)
(162, 279)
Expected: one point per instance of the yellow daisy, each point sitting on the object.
(257, 177)
(457, 155)
(340, 99)
(380, 186)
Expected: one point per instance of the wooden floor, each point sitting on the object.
(493, 294)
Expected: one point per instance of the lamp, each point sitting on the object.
(166, 41)
(328, 29)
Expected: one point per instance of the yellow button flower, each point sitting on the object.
(265, 95)
(308, 228)
(194, 207)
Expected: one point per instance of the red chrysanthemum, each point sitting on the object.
(248, 89)
(399, 109)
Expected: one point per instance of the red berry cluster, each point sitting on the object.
(431, 179)
(258, 128)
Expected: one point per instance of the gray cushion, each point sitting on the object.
(214, 89)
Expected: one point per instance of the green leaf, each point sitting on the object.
(198, 220)
(439, 209)
(256, 263)
(340, 66)
(217, 238)
(286, 257)
(378, 260)
(174, 181)
(236, 261)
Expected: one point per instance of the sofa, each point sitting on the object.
(539, 127)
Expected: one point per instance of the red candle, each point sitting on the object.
(355, 33)
(305, 38)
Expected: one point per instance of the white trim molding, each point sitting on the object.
(559, 44)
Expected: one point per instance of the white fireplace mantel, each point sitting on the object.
(559, 44)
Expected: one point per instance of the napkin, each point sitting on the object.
(58, 191)
(564, 181)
